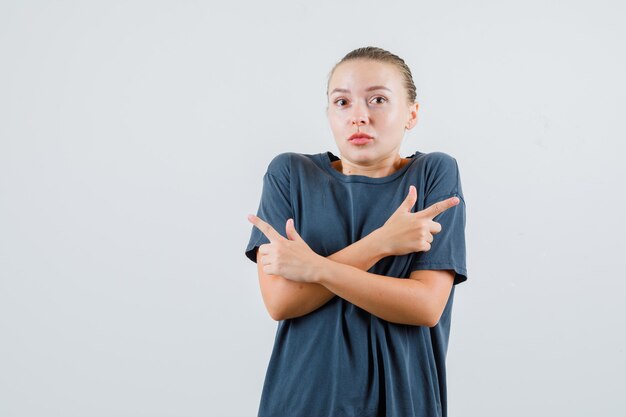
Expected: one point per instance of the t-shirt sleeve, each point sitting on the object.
(275, 205)
(448, 247)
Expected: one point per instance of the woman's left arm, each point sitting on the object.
(418, 300)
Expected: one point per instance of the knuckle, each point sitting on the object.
(424, 246)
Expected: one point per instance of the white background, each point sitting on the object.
(133, 141)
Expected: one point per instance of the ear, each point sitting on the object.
(412, 116)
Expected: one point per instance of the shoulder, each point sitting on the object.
(440, 173)
(440, 162)
(280, 165)
(283, 164)
(438, 165)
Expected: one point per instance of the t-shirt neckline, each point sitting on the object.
(329, 157)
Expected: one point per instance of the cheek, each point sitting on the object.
(335, 120)
(394, 118)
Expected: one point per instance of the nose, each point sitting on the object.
(359, 117)
(359, 120)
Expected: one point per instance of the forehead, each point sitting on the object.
(356, 76)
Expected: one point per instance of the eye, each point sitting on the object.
(380, 97)
(338, 100)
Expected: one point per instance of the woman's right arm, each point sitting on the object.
(285, 299)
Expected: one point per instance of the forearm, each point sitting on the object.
(288, 299)
(406, 301)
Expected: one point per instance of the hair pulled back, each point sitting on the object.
(380, 55)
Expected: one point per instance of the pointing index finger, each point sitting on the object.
(264, 227)
(440, 206)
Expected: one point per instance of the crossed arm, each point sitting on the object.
(285, 299)
(311, 280)
(419, 300)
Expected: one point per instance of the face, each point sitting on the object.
(369, 97)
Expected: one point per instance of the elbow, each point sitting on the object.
(432, 321)
(277, 310)
(428, 315)
(274, 311)
(433, 317)
(275, 302)
(281, 314)
(277, 314)
(433, 310)
(275, 317)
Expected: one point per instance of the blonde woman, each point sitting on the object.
(358, 256)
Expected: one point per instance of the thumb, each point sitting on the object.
(410, 199)
(291, 231)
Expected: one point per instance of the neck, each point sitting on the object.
(373, 169)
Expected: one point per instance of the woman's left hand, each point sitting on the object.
(290, 258)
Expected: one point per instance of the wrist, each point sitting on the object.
(380, 243)
(321, 270)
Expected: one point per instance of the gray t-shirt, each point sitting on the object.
(340, 360)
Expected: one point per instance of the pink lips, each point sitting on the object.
(360, 141)
(360, 138)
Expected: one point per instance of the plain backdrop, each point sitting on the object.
(134, 137)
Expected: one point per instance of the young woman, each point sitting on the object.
(358, 256)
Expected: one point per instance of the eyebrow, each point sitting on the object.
(374, 87)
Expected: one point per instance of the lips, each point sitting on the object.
(360, 138)
(360, 135)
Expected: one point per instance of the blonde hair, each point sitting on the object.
(378, 54)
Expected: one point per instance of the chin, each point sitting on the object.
(356, 154)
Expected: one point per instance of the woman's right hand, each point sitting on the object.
(406, 232)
